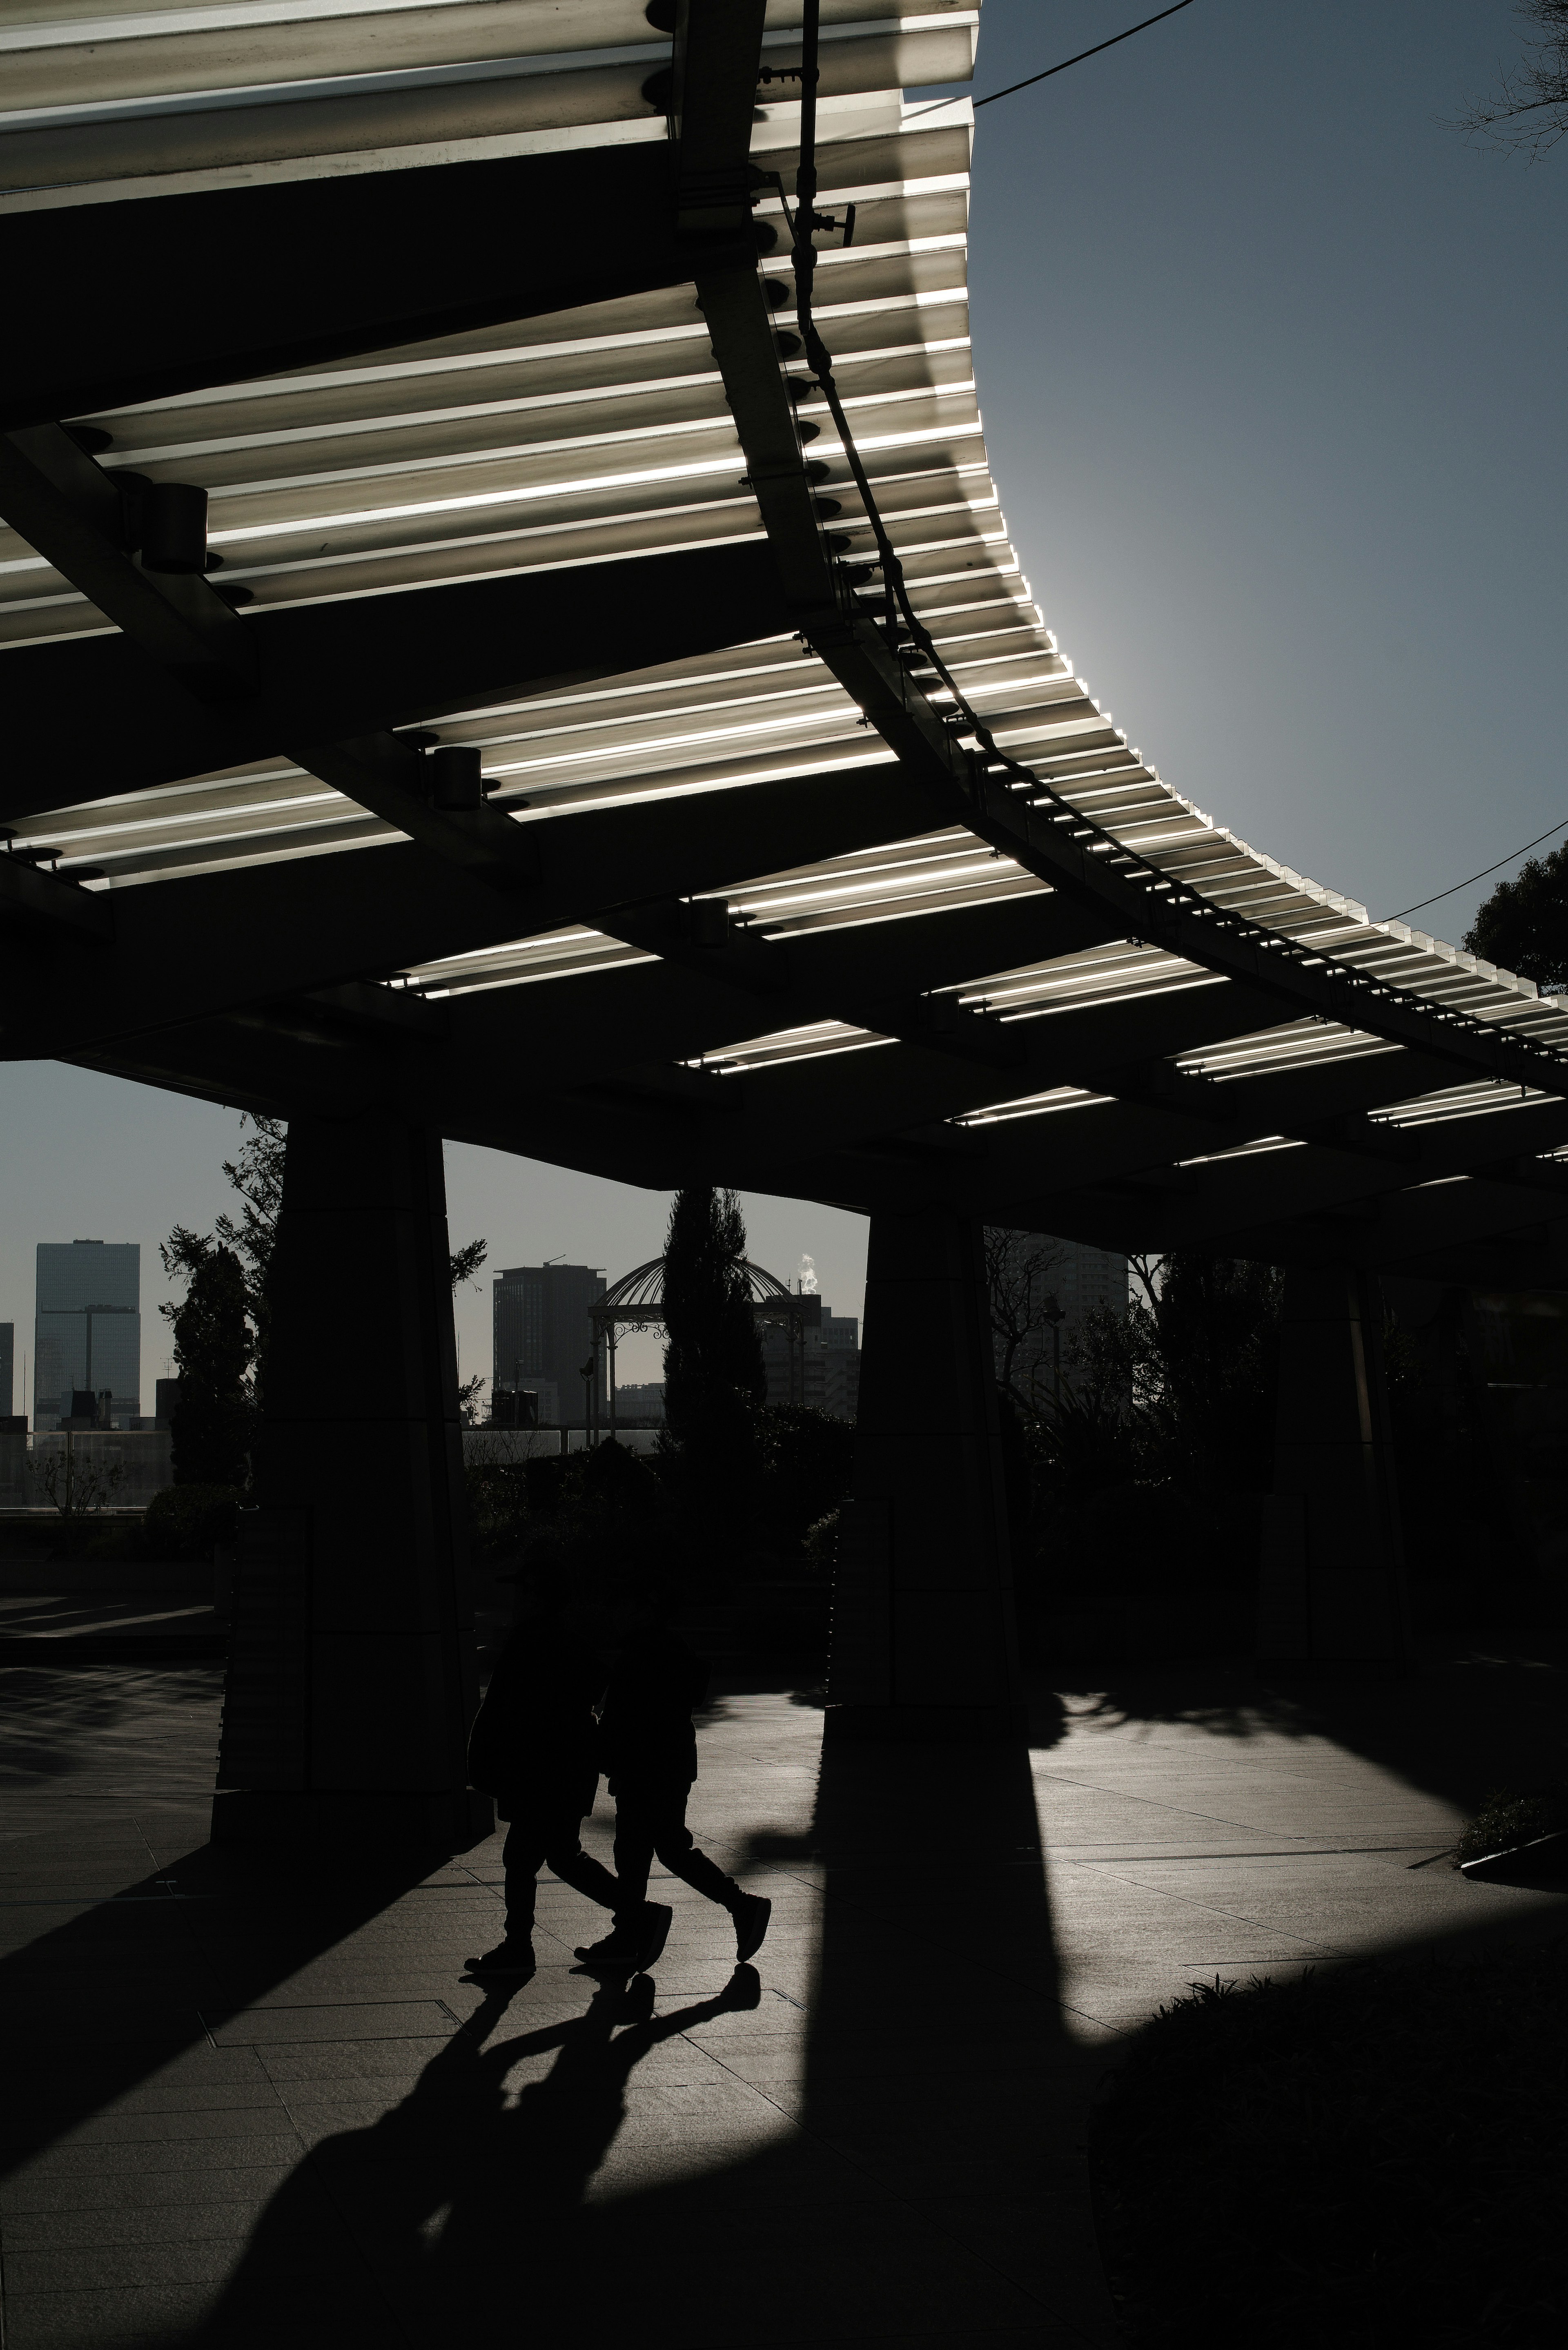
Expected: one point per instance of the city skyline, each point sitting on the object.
(65, 1126)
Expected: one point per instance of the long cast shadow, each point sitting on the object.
(99, 2005)
(921, 2179)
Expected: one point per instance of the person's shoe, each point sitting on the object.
(616, 1954)
(652, 1933)
(514, 1959)
(751, 1918)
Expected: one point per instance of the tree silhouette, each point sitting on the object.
(1530, 109)
(211, 1427)
(713, 1376)
(1523, 925)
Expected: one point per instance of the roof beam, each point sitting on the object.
(90, 717)
(1209, 1203)
(252, 281)
(126, 961)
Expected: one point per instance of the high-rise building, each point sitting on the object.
(542, 1332)
(88, 1328)
(1079, 1280)
(815, 1362)
(7, 1368)
(640, 1403)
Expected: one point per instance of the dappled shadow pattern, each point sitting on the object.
(1460, 1725)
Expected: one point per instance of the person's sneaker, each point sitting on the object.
(505, 1958)
(652, 1933)
(617, 1953)
(752, 1916)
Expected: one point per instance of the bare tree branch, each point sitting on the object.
(1021, 1272)
(1530, 112)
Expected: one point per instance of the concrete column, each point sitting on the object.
(352, 1678)
(1333, 1570)
(924, 1644)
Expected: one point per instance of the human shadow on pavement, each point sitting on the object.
(456, 2198)
(904, 2161)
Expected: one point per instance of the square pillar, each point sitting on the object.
(1332, 1581)
(352, 1675)
(924, 1644)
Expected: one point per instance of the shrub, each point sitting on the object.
(189, 1521)
(1505, 1820)
(1367, 2158)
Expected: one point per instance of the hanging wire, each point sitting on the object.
(1030, 80)
(1501, 861)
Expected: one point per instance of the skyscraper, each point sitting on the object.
(1081, 1280)
(7, 1368)
(88, 1328)
(542, 1332)
(819, 1365)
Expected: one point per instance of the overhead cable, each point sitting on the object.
(1501, 861)
(1030, 79)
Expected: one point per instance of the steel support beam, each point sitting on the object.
(94, 967)
(91, 717)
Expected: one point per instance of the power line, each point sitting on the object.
(1078, 60)
(1029, 82)
(1482, 875)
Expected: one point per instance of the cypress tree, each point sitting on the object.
(713, 1376)
(212, 1428)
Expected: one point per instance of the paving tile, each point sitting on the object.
(98, 2191)
(889, 2133)
(230, 2224)
(398, 2020)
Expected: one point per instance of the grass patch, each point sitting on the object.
(1372, 2156)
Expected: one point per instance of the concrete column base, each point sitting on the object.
(452, 1821)
(927, 1725)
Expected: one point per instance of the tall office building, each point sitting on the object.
(1082, 1279)
(7, 1368)
(818, 1364)
(88, 1330)
(543, 1333)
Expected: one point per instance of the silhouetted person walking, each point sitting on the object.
(533, 1747)
(647, 1750)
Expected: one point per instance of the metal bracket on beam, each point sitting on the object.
(701, 935)
(1359, 1138)
(42, 902)
(387, 774)
(942, 1024)
(69, 511)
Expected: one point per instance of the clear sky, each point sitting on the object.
(1272, 371)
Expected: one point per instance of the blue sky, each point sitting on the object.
(1272, 366)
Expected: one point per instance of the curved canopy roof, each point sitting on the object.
(639, 1295)
(484, 351)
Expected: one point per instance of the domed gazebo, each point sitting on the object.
(636, 1302)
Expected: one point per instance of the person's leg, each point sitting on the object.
(636, 1937)
(564, 1858)
(673, 1843)
(521, 1858)
(633, 1850)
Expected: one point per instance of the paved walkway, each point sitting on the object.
(250, 2101)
